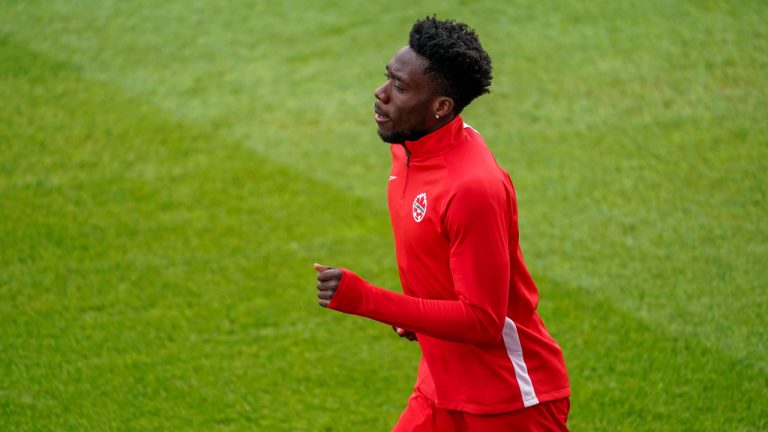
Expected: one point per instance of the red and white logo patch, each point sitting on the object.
(419, 208)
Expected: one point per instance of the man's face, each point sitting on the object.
(406, 102)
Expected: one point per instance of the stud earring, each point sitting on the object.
(437, 116)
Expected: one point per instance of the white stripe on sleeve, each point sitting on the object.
(515, 353)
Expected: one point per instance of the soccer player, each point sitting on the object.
(488, 363)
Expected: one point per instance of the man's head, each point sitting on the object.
(430, 81)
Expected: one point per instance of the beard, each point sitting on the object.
(397, 137)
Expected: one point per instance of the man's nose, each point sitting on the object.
(381, 93)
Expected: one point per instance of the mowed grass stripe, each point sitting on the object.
(180, 331)
(671, 231)
(156, 276)
(628, 374)
(285, 79)
(636, 138)
(570, 263)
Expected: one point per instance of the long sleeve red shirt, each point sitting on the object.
(467, 292)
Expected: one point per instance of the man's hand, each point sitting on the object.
(411, 336)
(328, 279)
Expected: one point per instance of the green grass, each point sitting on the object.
(170, 171)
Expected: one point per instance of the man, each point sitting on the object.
(488, 363)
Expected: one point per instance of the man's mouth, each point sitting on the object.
(379, 116)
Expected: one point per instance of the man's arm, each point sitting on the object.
(327, 283)
(477, 224)
(454, 320)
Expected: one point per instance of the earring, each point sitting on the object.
(437, 116)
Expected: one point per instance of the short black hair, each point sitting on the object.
(457, 61)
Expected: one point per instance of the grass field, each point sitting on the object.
(169, 171)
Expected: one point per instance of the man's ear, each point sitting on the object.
(443, 106)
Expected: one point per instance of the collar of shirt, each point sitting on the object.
(437, 142)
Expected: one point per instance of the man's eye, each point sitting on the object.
(395, 83)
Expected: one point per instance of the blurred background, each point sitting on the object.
(169, 171)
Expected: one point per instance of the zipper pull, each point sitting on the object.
(407, 168)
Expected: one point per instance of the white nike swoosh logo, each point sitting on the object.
(392, 178)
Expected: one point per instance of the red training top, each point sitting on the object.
(468, 295)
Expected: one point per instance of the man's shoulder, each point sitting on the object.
(474, 174)
(473, 165)
(470, 149)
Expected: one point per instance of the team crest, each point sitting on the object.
(419, 208)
